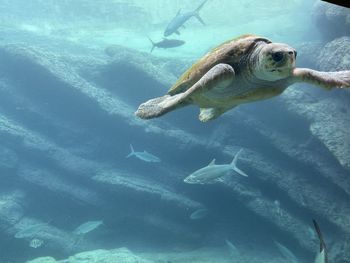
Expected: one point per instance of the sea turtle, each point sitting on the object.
(245, 69)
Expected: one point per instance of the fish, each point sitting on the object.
(87, 227)
(234, 252)
(278, 207)
(199, 214)
(166, 43)
(287, 254)
(338, 2)
(35, 243)
(144, 156)
(30, 230)
(214, 171)
(181, 18)
(322, 255)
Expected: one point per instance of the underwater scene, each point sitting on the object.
(174, 131)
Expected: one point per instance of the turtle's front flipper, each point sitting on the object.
(219, 75)
(159, 106)
(328, 80)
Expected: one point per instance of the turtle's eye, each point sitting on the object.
(277, 56)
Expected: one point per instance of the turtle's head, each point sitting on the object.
(274, 61)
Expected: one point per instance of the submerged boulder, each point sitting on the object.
(328, 115)
(120, 255)
(135, 185)
(54, 238)
(335, 55)
(329, 120)
(308, 53)
(43, 260)
(56, 183)
(11, 210)
(331, 20)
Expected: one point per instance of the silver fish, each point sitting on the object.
(30, 231)
(214, 171)
(278, 210)
(87, 227)
(181, 18)
(166, 43)
(199, 214)
(144, 156)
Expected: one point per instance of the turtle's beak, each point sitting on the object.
(292, 56)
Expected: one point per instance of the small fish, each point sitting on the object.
(287, 254)
(181, 18)
(199, 214)
(278, 207)
(30, 231)
(234, 252)
(214, 171)
(35, 243)
(87, 227)
(144, 156)
(166, 43)
(322, 255)
(338, 2)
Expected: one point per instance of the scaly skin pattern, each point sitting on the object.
(231, 52)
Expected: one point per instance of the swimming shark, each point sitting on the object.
(166, 43)
(321, 256)
(214, 171)
(144, 156)
(181, 18)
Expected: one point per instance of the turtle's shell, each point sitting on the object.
(231, 52)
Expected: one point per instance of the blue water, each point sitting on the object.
(73, 73)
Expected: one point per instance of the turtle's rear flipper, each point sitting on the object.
(208, 114)
(328, 80)
(159, 106)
